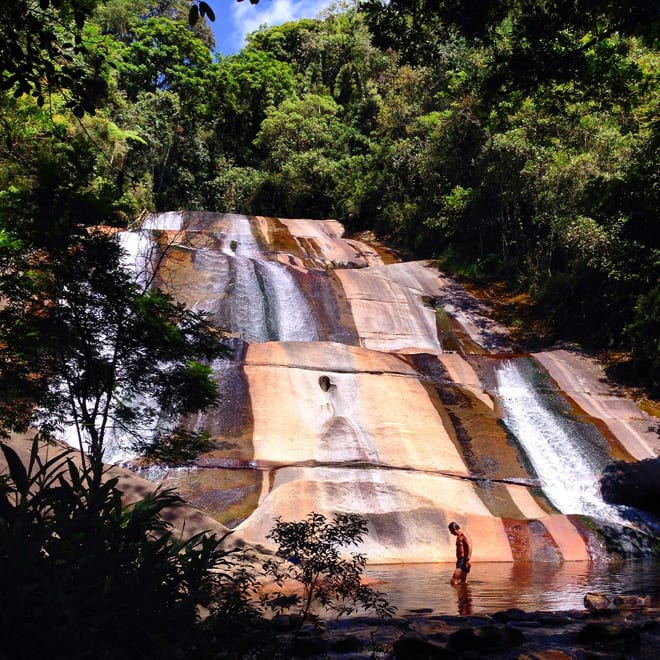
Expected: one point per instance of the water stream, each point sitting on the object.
(291, 313)
(566, 471)
(530, 586)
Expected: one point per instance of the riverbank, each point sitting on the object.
(509, 634)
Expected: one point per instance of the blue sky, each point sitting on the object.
(234, 20)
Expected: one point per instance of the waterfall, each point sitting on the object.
(566, 472)
(237, 238)
(138, 250)
(263, 301)
(291, 316)
(169, 221)
(247, 313)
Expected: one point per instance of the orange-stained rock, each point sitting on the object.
(321, 241)
(374, 409)
(408, 512)
(570, 543)
(390, 410)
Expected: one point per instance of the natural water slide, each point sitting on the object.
(363, 384)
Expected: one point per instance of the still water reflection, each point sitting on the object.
(499, 586)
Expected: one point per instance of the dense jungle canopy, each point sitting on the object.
(514, 140)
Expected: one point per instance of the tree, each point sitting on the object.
(43, 48)
(243, 88)
(85, 347)
(165, 55)
(304, 145)
(534, 42)
(311, 550)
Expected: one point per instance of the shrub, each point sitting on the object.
(82, 575)
(309, 553)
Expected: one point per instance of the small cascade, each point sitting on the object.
(169, 221)
(237, 237)
(138, 250)
(247, 312)
(566, 472)
(117, 448)
(262, 300)
(291, 314)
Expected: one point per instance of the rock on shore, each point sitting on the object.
(510, 634)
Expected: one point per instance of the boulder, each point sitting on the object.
(633, 484)
(513, 614)
(596, 601)
(620, 635)
(486, 639)
(415, 646)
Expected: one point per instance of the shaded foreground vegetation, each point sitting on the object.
(82, 575)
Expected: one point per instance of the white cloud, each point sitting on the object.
(247, 17)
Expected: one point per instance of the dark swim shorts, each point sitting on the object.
(462, 564)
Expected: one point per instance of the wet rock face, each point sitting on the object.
(487, 639)
(633, 484)
(366, 385)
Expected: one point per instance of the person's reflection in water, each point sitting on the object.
(464, 595)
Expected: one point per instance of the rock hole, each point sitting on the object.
(324, 383)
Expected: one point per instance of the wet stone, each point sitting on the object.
(486, 638)
(514, 614)
(525, 624)
(413, 646)
(552, 619)
(606, 633)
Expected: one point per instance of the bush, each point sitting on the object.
(309, 554)
(644, 337)
(82, 575)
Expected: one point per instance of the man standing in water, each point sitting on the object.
(463, 554)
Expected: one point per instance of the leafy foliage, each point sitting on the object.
(310, 552)
(516, 138)
(82, 575)
(83, 345)
(42, 48)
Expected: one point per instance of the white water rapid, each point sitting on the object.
(291, 313)
(566, 474)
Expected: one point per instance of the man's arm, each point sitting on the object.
(467, 545)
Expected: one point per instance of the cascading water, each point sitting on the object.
(138, 249)
(170, 221)
(237, 237)
(247, 310)
(291, 313)
(566, 472)
(262, 300)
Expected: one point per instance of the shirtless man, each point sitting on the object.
(463, 554)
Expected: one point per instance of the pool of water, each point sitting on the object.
(499, 586)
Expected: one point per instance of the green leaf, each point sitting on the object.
(205, 10)
(16, 469)
(193, 16)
